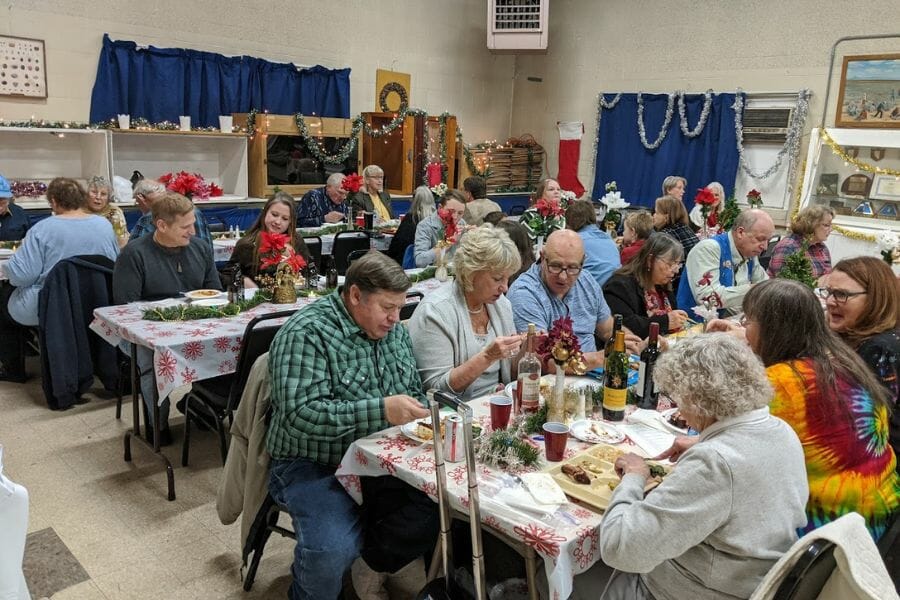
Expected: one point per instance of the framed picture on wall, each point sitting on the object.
(869, 95)
(23, 67)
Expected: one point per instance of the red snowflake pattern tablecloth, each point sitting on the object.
(568, 543)
(188, 351)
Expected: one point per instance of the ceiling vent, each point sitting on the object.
(766, 125)
(517, 26)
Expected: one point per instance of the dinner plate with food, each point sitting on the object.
(210, 302)
(421, 430)
(672, 419)
(596, 432)
(202, 294)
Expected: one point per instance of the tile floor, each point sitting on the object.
(113, 516)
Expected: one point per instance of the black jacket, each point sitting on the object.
(625, 297)
(70, 352)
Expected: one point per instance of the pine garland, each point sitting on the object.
(427, 273)
(798, 267)
(191, 312)
(729, 213)
(505, 449)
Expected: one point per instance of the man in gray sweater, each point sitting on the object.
(165, 264)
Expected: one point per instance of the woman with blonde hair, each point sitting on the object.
(99, 201)
(674, 186)
(463, 333)
(547, 189)
(809, 228)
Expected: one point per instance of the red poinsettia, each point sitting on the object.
(451, 228)
(561, 344)
(274, 249)
(352, 183)
(272, 242)
(549, 208)
(705, 197)
(754, 198)
(191, 185)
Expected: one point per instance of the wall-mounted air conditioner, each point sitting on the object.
(518, 26)
(766, 125)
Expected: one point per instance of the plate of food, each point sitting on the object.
(672, 419)
(422, 431)
(210, 302)
(202, 294)
(596, 432)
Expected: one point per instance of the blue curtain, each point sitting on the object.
(639, 173)
(161, 84)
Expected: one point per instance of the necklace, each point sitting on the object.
(475, 312)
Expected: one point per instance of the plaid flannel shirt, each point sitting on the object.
(683, 234)
(818, 255)
(329, 381)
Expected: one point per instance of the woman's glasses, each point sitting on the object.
(839, 296)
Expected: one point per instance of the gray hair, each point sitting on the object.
(747, 218)
(99, 182)
(372, 170)
(715, 185)
(422, 205)
(148, 187)
(671, 181)
(376, 272)
(485, 248)
(334, 180)
(715, 375)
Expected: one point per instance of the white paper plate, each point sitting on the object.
(410, 429)
(211, 302)
(203, 294)
(6, 252)
(665, 419)
(596, 432)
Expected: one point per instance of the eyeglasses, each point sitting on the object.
(839, 296)
(557, 269)
(672, 265)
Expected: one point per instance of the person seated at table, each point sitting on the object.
(146, 225)
(669, 216)
(830, 397)
(165, 264)
(431, 230)
(70, 231)
(714, 213)
(520, 237)
(477, 203)
(636, 228)
(100, 194)
(556, 287)
(723, 516)
(548, 189)
(373, 198)
(641, 291)
(277, 216)
(674, 186)
(14, 222)
(463, 334)
(862, 305)
(341, 369)
(810, 226)
(722, 269)
(421, 208)
(145, 193)
(324, 205)
(495, 218)
(601, 256)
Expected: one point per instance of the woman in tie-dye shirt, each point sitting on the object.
(832, 400)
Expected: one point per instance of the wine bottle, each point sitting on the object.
(617, 326)
(528, 386)
(615, 381)
(331, 275)
(648, 395)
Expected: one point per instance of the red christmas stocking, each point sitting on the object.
(570, 133)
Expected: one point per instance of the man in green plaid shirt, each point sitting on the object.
(340, 369)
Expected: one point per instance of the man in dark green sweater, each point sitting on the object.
(163, 265)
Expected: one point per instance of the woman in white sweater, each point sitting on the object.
(463, 333)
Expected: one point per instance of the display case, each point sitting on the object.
(844, 176)
(38, 154)
(404, 152)
(221, 158)
(280, 158)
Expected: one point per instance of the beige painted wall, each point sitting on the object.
(441, 44)
(655, 46)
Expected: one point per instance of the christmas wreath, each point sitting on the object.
(397, 89)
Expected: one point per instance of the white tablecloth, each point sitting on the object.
(3, 275)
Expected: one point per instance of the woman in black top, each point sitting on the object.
(422, 206)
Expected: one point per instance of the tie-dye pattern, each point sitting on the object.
(849, 462)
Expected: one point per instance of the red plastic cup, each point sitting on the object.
(360, 220)
(555, 437)
(501, 408)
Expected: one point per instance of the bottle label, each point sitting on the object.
(642, 373)
(531, 392)
(614, 399)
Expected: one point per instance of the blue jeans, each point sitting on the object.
(148, 384)
(327, 522)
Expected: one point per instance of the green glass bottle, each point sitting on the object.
(615, 381)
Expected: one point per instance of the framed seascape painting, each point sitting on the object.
(869, 95)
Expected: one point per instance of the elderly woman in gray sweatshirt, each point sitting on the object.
(733, 503)
(463, 334)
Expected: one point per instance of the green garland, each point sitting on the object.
(503, 448)
(329, 229)
(729, 213)
(798, 267)
(427, 273)
(534, 422)
(191, 312)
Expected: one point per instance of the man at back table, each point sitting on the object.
(557, 286)
(721, 269)
(477, 203)
(341, 369)
(324, 205)
(372, 198)
(165, 264)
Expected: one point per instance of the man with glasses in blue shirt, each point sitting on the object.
(556, 287)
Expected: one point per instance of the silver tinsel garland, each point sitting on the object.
(612, 103)
(791, 147)
(704, 114)
(670, 109)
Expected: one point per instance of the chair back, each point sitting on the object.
(255, 342)
(216, 225)
(314, 245)
(766, 256)
(889, 543)
(516, 210)
(409, 257)
(355, 255)
(810, 573)
(346, 242)
(412, 301)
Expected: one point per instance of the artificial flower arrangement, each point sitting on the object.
(706, 199)
(889, 246)
(614, 205)
(545, 217)
(450, 231)
(352, 183)
(439, 190)
(276, 253)
(561, 345)
(191, 185)
(754, 199)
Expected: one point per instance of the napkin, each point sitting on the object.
(651, 440)
(543, 488)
